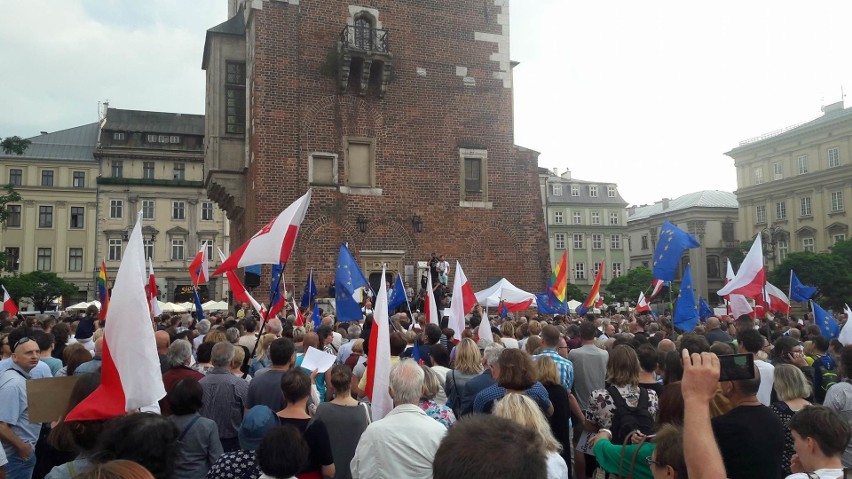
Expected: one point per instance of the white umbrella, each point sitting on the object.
(173, 308)
(503, 290)
(77, 307)
(572, 304)
(215, 306)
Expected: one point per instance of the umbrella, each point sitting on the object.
(215, 306)
(573, 304)
(77, 307)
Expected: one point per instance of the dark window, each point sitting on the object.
(16, 177)
(728, 232)
(77, 216)
(46, 177)
(473, 174)
(363, 33)
(43, 259)
(12, 255)
(180, 171)
(207, 211)
(235, 98)
(79, 179)
(14, 218)
(117, 169)
(118, 136)
(644, 242)
(45, 217)
(713, 266)
(148, 170)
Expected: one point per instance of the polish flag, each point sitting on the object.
(515, 307)
(431, 308)
(274, 242)
(775, 298)
(751, 277)
(8, 304)
(642, 304)
(130, 372)
(239, 291)
(738, 304)
(657, 286)
(463, 301)
(300, 318)
(379, 360)
(153, 305)
(199, 269)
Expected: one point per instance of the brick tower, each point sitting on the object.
(398, 113)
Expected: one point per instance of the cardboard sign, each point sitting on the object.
(48, 398)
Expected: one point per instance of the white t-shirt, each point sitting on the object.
(821, 473)
(556, 466)
(767, 379)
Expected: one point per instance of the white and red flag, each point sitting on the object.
(130, 372)
(642, 304)
(199, 269)
(239, 291)
(656, 287)
(379, 359)
(152, 292)
(738, 304)
(8, 304)
(751, 276)
(274, 242)
(462, 302)
(775, 299)
(300, 318)
(431, 308)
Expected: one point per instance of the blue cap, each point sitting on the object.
(255, 425)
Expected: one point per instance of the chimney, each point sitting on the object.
(631, 210)
(567, 175)
(665, 203)
(555, 171)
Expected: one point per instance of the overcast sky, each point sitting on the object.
(645, 94)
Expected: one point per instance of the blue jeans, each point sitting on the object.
(18, 468)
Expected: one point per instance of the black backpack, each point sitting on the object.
(626, 419)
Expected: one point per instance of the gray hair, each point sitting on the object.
(180, 352)
(222, 355)
(274, 326)
(203, 326)
(186, 321)
(406, 382)
(354, 331)
(233, 334)
(492, 353)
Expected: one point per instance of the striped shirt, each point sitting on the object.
(564, 366)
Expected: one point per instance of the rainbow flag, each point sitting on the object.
(593, 294)
(103, 291)
(559, 280)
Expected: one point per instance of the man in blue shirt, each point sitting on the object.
(549, 342)
(18, 435)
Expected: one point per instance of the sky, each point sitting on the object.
(648, 95)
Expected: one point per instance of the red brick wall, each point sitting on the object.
(419, 126)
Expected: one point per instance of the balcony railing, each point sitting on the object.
(363, 39)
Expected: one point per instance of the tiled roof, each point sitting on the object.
(699, 199)
(77, 144)
(154, 122)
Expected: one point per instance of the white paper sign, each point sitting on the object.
(319, 360)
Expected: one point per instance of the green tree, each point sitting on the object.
(628, 286)
(843, 249)
(830, 273)
(14, 144)
(40, 287)
(575, 293)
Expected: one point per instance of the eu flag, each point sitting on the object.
(798, 291)
(704, 310)
(396, 295)
(199, 311)
(348, 278)
(548, 304)
(316, 318)
(822, 318)
(276, 298)
(685, 312)
(670, 247)
(310, 291)
(504, 311)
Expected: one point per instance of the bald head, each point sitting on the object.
(162, 339)
(327, 321)
(712, 323)
(666, 345)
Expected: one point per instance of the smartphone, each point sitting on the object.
(736, 367)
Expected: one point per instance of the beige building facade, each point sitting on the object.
(793, 185)
(710, 216)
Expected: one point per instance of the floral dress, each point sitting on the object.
(601, 408)
(442, 414)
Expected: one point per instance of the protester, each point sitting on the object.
(72, 442)
(514, 372)
(440, 359)
(750, 341)
(18, 435)
(46, 342)
(839, 398)
(431, 387)
(179, 357)
(700, 381)
(548, 376)
(549, 343)
(791, 388)
(282, 453)
(490, 358)
(820, 437)
(261, 359)
(508, 335)
(149, 439)
(345, 420)
(296, 388)
(589, 362)
(266, 388)
(225, 396)
(525, 411)
(242, 464)
(467, 365)
(199, 438)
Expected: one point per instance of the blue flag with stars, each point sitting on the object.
(310, 291)
(822, 318)
(504, 311)
(396, 295)
(316, 318)
(199, 311)
(670, 247)
(685, 312)
(798, 291)
(704, 310)
(347, 279)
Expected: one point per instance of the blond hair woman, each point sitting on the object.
(522, 410)
(467, 365)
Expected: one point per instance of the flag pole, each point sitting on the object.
(565, 299)
(790, 295)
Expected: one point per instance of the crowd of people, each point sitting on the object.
(555, 397)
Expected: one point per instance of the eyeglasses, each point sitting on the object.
(651, 461)
(21, 341)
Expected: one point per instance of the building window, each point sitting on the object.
(360, 162)
(758, 176)
(78, 179)
(114, 249)
(559, 241)
(575, 190)
(644, 241)
(593, 191)
(838, 238)
(209, 244)
(596, 217)
(610, 191)
(578, 218)
(148, 246)
(833, 157)
(778, 170)
(180, 171)
(579, 271)
(578, 240)
(614, 218)
(781, 210)
(16, 177)
(713, 266)
(473, 175)
(178, 210)
(75, 259)
(616, 270)
(322, 169)
(836, 201)
(148, 209)
(116, 209)
(14, 218)
(803, 164)
(760, 213)
(615, 242)
(597, 267)
(597, 241)
(557, 189)
(148, 170)
(207, 211)
(235, 98)
(44, 256)
(808, 244)
(174, 139)
(118, 136)
(151, 138)
(13, 255)
(783, 249)
(46, 177)
(474, 172)
(728, 232)
(117, 168)
(178, 249)
(78, 214)
(558, 217)
(805, 206)
(45, 217)
(363, 33)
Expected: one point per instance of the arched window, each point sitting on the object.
(363, 33)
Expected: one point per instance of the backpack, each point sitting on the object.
(825, 372)
(626, 419)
